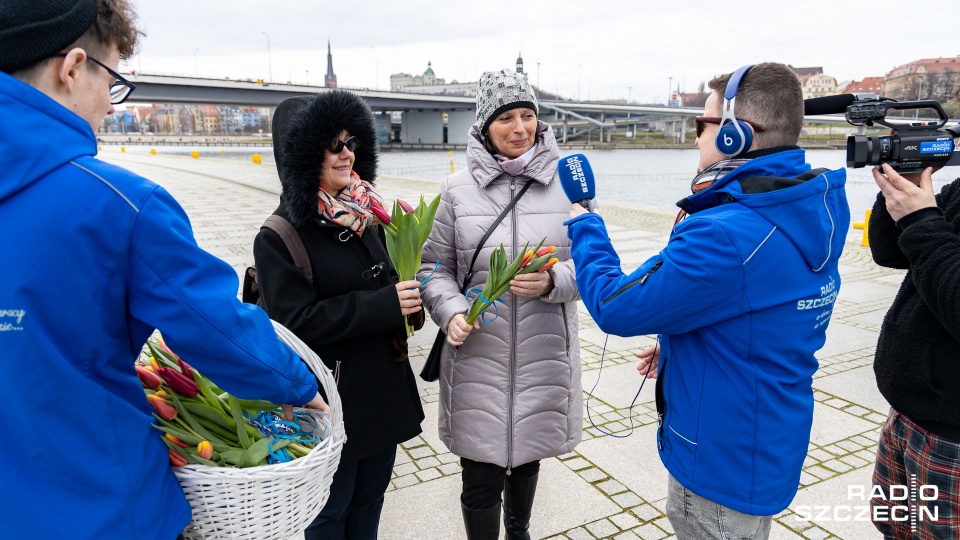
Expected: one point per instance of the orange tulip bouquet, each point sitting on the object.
(201, 424)
(539, 259)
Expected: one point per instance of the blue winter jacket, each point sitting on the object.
(93, 259)
(741, 297)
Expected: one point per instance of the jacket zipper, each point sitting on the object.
(513, 341)
(640, 281)
(566, 330)
(661, 402)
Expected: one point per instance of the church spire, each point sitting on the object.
(330, 79)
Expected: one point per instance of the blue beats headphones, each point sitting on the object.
(734, 137)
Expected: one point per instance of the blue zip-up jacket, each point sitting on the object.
(741, 297)
(93, 259)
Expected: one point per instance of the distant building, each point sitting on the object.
(191, 121)
(330, 79)
(231, 119)
(694, 99)
(212, 121)
(818, 85)
(806, 71)
(927, 78)
(429, 83)
(251, 119)
(520, 64)
(165, 119)
(869, 85)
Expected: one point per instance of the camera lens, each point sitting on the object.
(863, 150)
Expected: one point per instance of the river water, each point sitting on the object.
(646, 178)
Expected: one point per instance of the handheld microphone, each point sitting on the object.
(576, 177)
(828, 105)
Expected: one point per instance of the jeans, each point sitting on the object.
(356, 498)
(696, 518)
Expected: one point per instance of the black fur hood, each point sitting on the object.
(303, 127)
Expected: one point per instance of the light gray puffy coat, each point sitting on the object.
(511, 393)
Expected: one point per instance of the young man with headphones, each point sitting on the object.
(740, 299)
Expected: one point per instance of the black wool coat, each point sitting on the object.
(917, 362)
(350, 316)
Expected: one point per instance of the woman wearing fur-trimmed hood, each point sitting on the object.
(351, 313)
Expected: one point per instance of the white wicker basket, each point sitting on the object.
(270, 502)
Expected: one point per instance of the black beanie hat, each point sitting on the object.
(33, 30)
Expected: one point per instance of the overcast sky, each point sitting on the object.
(599, 48)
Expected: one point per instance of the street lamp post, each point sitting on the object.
(308, 77)
(196, 64)
(269, 60)
(669, 89)
(916, 113)
(629, 94)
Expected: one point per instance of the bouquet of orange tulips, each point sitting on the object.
(201, 424)
(539, 259)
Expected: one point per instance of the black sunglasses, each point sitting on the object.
(702, 122)
(119, 90)
(337, 146)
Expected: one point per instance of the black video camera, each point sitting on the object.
(912, 146)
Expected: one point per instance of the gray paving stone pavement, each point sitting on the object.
(607, 487)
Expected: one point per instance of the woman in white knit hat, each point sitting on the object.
(509, 388)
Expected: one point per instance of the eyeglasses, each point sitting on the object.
(120, 90)
(337, 146)
(702, 122)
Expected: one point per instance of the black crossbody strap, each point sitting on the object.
(476, 253)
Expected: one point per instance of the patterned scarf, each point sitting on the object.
(708, 177)
(351, 207)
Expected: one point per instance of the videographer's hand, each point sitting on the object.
(459, 329)
(902, 194)
(409, 293)
(649, 361)
(316, 403)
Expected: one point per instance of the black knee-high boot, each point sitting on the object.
(518, 496)
(482, 524)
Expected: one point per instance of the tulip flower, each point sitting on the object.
(549, 264)
(405, 206)
(185, 369)
(164, 346)
(148, 378)
(175, 440)
(164, 409)
(176, 460)
(205, 449)
(545, 251)
(178, 382)
(154, 364)
(527, 257)
(383, 217)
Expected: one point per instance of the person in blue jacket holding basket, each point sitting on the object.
(740, 297)
(94, 259)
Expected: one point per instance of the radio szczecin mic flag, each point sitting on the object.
(576, 177)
